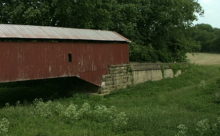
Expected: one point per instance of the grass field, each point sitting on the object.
(148, 109)
(204, 58)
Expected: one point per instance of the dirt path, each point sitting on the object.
(204, 58)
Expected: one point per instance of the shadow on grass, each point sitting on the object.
(27, 91)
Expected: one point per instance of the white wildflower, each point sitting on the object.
(182, 130)
(4, 126)
(203, 126)
(85, 110)
(44, 109)
(71, 112)
(120, 121)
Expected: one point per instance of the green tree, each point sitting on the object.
(158, 28)
(207, 37)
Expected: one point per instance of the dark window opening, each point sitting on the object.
(70, 59)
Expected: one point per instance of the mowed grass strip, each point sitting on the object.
(152, 108)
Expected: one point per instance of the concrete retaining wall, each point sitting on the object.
(122, 76)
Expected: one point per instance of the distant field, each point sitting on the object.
(204, 58)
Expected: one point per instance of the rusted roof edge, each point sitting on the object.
(11, 31)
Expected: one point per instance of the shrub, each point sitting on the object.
(141, 53)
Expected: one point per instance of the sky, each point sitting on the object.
(212, 12)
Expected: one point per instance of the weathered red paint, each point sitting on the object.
(20, 61)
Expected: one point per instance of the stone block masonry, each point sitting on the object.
(122, 76)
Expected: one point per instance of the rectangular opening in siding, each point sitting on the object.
(70, 59)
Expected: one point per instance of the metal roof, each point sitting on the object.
(8, 31)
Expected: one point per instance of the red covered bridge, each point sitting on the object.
(38, 52)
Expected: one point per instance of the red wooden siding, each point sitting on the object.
(21, 61)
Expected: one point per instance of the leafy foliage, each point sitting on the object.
(157, 28)
(207, 37)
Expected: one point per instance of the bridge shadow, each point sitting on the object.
(27, 91)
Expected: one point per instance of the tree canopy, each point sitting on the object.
(207, 37)
(158, 28)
